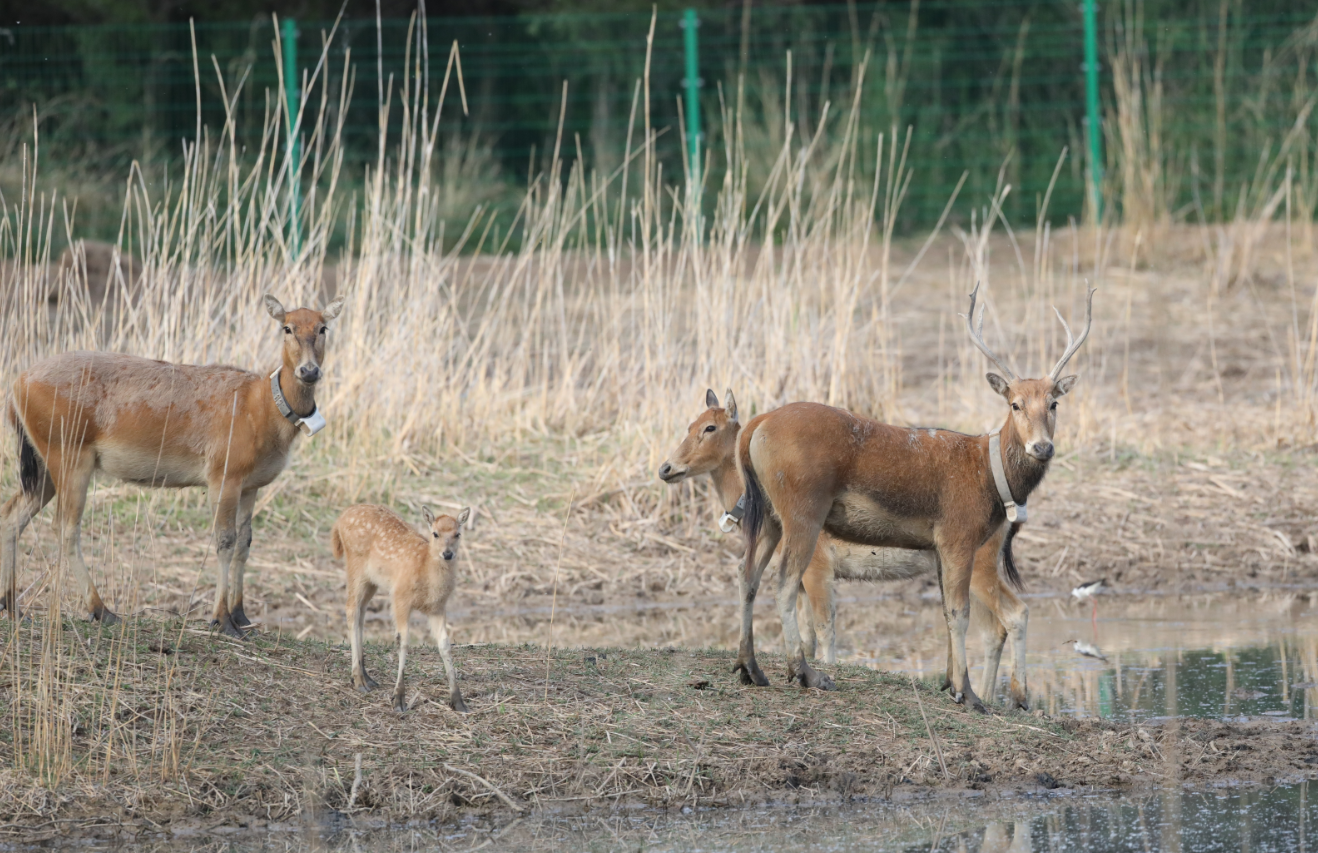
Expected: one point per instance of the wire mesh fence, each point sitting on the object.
(1204, 103)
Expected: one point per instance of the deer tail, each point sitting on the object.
(1009, 562)
(336, 542)
(31, 470)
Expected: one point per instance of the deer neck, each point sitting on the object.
(727, 479)
(301, 398)
(1024, 472)
(728, 484)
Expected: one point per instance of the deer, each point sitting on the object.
(157, 424)
(710, 447)
(381, 550)
(811, 468)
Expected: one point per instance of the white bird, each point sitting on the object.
(1087, 649)
(1089, 589)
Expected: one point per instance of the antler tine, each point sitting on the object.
(1072, 345)
(977, 337)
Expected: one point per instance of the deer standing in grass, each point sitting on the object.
(153, 423)
(710, 447)
(810, 468)
(382, 551)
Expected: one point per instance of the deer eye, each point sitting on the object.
(1015, 407)
(288, 330)
(710, 428)
(1053, 407)
(321, 331)
(436, 535)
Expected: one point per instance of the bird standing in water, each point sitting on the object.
(1086, 592)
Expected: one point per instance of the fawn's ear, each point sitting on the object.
(711, 399)
(330, 311)
(427, 515)
(463, 516)
(275, 307)
(731, 405)
(998, 383)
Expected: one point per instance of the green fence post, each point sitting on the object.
(692, 83)
(294, 148)
(1091, 110)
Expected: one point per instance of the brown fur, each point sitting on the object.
(159, 424)
(810, 468)
(382, 551)
(710, 446)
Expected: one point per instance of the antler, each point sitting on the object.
(1071, 343)
(977, 337)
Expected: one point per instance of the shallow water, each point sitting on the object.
(1256, 820)
(1213, 656)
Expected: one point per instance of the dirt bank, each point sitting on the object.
(149, 729)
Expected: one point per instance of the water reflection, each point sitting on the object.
(1207, 656)
(1255, 820)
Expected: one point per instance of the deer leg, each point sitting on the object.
(797, 550)
(359, 595)
(242, 546)
(75, 476)
(818, 583)
(226, 540)
(439, 630)
(805, 617)
(748, 586)
(958, 563)
(400, 620)
(985, 589)
(1015, 616)
(14, 518)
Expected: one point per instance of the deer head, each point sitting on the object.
(304, 337)
(711, 441)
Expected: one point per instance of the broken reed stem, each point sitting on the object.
(553, 605)
(933, 738)
(508, 801)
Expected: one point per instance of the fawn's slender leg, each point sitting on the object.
(439, 629)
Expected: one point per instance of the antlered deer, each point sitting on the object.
(158, 424)
(810, 467)
(710, 447)
(381, 551)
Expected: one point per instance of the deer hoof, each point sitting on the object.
(365, 684)
(400, 703)
(750, 674)
(105, 617)
(239, 618)
(227, 628)
(818, 680)
(457, 704)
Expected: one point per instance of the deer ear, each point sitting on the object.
(998, 383)
(711, 399)
(275, 307)
(731, 405)
(463, 516)
(330, 311)
(1063, 386)
(427, 515)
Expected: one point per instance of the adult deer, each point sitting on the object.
(167, 425)
(810, 467)
(710, 447)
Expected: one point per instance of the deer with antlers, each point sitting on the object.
(811, 468)
(152, 423)
(710, 447)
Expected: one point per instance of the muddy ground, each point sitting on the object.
(208, 732)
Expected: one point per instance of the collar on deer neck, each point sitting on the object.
(1015, 511)
(310, 424)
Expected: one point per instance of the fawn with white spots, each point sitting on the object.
(382, 551)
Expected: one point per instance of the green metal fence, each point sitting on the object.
(1197, 97)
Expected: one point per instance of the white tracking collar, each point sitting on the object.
(310, 425)
(1015, 511)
